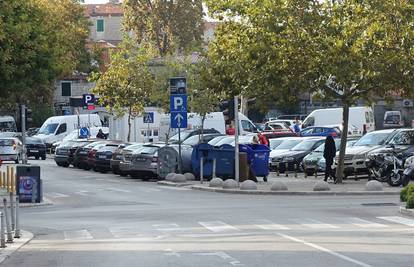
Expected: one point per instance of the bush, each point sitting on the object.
(410, 201)
(408, 190)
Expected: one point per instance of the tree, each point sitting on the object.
(39, 42)
(125, 87)
(169, 25)
(347, 50)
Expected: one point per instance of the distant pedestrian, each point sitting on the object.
(263, 139)
(296, 126)
(101, 135)
(329, 153)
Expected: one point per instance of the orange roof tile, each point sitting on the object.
(103, 10)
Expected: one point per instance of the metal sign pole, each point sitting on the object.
(236, 139)
(148, 132)
(179, 150)
(23, 122)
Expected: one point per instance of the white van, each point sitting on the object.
(214, 120)
(56, 128)
(7, 124)
(361, 117)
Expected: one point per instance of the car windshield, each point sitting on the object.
(372, 139)
(305, 145)
(8, 126)
(193, 140)
(110, 147)
(148, 150)
(288, 144)
(217, 139)
(133, 147)
(274, 143)
(403, 138)
(322, 147)
(226, 140)
(91, 145)
(48, 128)
(174, 138)
(6, 142)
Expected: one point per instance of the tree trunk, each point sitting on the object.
(344, 136)
(129, 126)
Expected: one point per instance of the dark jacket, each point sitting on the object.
(329, 151)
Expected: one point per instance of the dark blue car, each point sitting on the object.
(320, 131)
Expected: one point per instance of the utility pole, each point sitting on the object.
(23, 123)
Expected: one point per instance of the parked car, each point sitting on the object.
(62, 154)
(188, 133)
(117, 156)
(393, 119)
(321, 131)
(80, 157)
(125, 163)
(36, 148)
(355, 156)
(11, 149)
(310, 162)
(287, 144)
(217, 139)
(293, 158)
(103, 156)
(144, 162)
(32, 131)
(91, 156)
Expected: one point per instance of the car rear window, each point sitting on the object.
(6, 142)
(149, 150)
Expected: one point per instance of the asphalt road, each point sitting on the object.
(106, 220)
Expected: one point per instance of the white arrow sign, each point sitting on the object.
(178, 117)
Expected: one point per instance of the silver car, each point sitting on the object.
(144, 162)
(11, 149)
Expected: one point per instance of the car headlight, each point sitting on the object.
(408, 162)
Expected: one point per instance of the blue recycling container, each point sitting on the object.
(258, 157)
(224, 156)
(206, 151)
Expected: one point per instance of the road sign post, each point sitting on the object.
(178, 109)
(236, 139)
(89, 104)
(148, 119)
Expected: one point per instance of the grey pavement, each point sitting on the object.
(106, 220)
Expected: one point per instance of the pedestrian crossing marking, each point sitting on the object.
(314, 224)
(398, 219)
(218, 226)
(364, 223)
(269, 225)
(166, 227)
(78, 235)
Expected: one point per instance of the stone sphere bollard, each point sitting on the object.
(216, 182)
(248, 185)
(321, 186)
(179, 178)
(189, 176)
(373, 185)
(230, 184)
(169, 176)
(279, 186)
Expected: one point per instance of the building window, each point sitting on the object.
(66, 88)
(100, 25)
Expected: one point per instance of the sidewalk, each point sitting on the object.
(13, 247)
(296, 186)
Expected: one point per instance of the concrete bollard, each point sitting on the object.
(214, 169)
(2, 232)
(316, 173)
(17, 229)
(305, 173)
(286, 170)
(12, 214)
(201, 170)
(8, 228)
(277, 170)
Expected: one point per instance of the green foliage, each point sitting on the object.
(410, 201)
(169, 25)
(125, 88)
(406, 191)
(39, 41)
(40, 113)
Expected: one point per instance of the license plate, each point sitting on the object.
(141, 159)
(102, 157)
(34, 151)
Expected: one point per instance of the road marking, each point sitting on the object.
(223, 255)
(118, 190)
(120, 232)
(218, 226)
(77, 235)
(269, 225)
(336, 254)
(364, 223)
(166, 227)
(398, 219)
(56, 195)
(314, 224)
(82, 193)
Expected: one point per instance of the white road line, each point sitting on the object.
(269, 225)
(314, 224)
(364, 223)
(77, 235)
(398, 219)
(218, 226)
(56, 195)
(82, 193)
(118, 190)
(120, 232)
(333, 253)
(167, 227)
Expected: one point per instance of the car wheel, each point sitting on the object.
(37, 157)
(59, 164)
(66, 165)
(309, 172)
(44, 157)
(123, 174)
(395, 179)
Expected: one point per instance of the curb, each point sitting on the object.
(405, 211)
(300, 193)
(46, 202)
(10, 248)
(168, 183)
